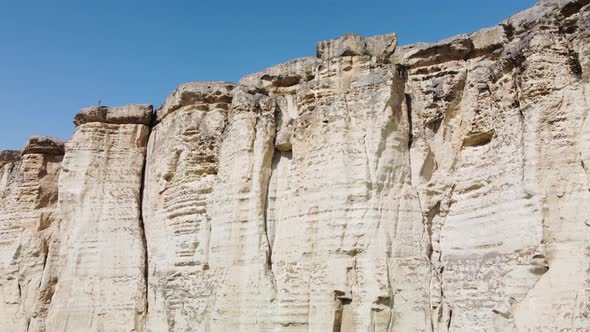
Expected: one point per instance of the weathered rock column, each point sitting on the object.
(28, 198)
(347, 239)
(101, 283)
(500, 143)
(8, 160)
(239, 247)
(181, 169)
(208, 164)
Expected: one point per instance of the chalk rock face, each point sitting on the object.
(181, 170)
(498, 157)
(8, 161)
(428, 187)
(266, 211)
(28, 199)
(101, 264)
(349, 160)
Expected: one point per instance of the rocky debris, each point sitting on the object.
(181, 170)
(490, 39)
(129, 114)
(458, 48)
(420, 55)
(482, 106)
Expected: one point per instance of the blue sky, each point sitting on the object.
(59, 56)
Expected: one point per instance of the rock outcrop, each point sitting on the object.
(499, 130)
(101, 260)
(28, 232)
(427, 187)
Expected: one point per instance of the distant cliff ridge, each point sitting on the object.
(429, 187)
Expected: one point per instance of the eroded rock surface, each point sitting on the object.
(28, 228)
(498, 135)
(101, 260)
(427, 187)
(181, 170)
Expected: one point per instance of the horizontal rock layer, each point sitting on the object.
(101, 257)
(130, 114)
(29, 232)
(427, 187)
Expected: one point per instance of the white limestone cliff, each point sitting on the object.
(28, 200)
(427, 187)
(101, 260)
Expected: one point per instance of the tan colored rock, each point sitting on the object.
(382, 46)
(347, 45)
(9, 157)
(28, 199)
(379, 46)
(181, 170)
(238, 247)
(197, 94)
(497, 139)
(44, 145)
(101, 264)
(130, 114)
(282, 78)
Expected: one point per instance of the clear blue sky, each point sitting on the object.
(59, 56)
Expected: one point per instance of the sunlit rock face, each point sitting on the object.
(28, 231)
(373, 187)
(340, 197)
(181, 171)
(500, 141)
(286, 202)
(100, 271)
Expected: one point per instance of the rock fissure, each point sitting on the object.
(142, 230)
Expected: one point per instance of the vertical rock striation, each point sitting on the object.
(181, 170)
(28, 200)
(343, 222)
(428, 187)
(499, 129)
(101, 263)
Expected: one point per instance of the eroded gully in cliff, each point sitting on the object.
(141, 221)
